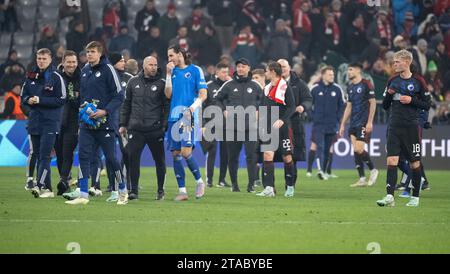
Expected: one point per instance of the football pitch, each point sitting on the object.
(323, 217)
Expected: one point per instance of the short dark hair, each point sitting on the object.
(222, 66)
(186, 55)
(355, 65)
(258, 72)
(325, 69)
(68, 53)
(274, 66)
(44, 51)
(95, 45)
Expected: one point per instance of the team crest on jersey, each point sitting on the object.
(410, 87)
(320, 93)
(154, 88)
(249, 90)
(84, 74)
(235, 90)
(187, 75)
(124, 84)
(333, 94)
(98, 74)
(359, 90)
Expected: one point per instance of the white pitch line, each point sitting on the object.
(212, 222)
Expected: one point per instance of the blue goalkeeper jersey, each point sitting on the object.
(186, 84)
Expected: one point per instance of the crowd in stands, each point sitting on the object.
(309, 33)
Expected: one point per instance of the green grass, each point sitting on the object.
(323, 217)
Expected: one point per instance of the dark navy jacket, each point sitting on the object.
(328, 106)
(49, 86)
(101, 85)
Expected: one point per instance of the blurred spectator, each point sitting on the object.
(435, 84)
(209, 48)
(111, 18)
(251, 16)
(224, 14)
(78, 10)
(8, 16)
(12, 109)
(57, 58)
(356, 39)
(49, 39)
(10, 60)
(374, 52)
(151, 42)
(420, 55)
(403, 10)
(429, 28)
(302, 26)
(331, 35)
(76, 38)
(246, 45)
(444, 20)
(126, 54)
(380, 28)
(196, 24)
(82, 59)
(409, 27)
(279, 45)
(146, 18)
(441, 58)
(210, 73)
(14, 75)
(121, 10)
(182, 39)
(169, 24)
(122, 41)
(400, 43)
(132, 67)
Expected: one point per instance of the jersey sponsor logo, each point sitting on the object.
(154, 88)
(333, 94)
(33, 83)
(108, 135)
(124, 84)
(235, 90)
(84, 75)
(138, 86)
(98, 74)
(187, 75)
(320, 93)
(249, 90)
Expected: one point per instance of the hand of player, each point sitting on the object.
(122, 130)
(225, 113)
(369, 127)
(278, 124)
(188, 113)
(405, 99)
(98, 114)
(169, 68)
(390, 91)
(300, 109)
(31, 101)
(341, 131)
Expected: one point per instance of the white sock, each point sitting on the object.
(182, 190)
(199, 181)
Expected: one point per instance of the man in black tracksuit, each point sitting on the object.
(68, 136)
(303, 103)
(242, 91)
(210, 147)
(144, 118)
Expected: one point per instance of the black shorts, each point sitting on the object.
(406, 141)
(360, 134)
(285, 143)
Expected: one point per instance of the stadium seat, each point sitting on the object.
(4, 52)
(25, 13)
(23, 38)
(49, 14)
(49, 3)
(5, 40)
(24, 52)
(28, 3)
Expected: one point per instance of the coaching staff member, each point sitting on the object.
(144, 117)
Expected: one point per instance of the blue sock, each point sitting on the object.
(179, 171)
(122, 184)
(84, 184)
(193, 166)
